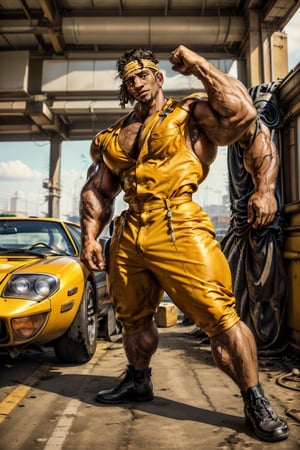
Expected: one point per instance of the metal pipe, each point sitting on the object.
(153, 31)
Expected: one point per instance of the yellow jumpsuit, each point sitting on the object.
(164, 241)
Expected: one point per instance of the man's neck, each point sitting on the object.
(144, 110)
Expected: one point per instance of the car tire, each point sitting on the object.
(109, 328)
(78, 344)
(113, 327)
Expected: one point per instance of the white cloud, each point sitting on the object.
(72, 179)
(17, 170)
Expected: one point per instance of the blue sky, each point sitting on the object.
(24, 165)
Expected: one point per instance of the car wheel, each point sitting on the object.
(78, 344)
(113, 327)
(109, 328)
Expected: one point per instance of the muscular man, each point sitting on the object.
(158, 154)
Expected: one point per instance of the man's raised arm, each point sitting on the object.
(229, 111)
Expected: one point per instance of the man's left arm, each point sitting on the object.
(261, 160)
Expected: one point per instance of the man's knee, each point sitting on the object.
(131, 327)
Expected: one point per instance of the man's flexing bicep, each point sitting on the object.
(224, 129)
(231, 105)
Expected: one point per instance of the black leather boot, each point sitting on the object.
(261, 418)
(136, 386)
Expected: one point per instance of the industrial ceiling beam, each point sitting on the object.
(50, 15)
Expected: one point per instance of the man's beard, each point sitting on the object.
(147, 101)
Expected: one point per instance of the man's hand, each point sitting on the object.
(261, 209)
(91, 255)
(183, 60)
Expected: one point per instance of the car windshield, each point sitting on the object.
(75, 232)
(35, 235)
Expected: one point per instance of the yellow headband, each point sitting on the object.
(135, 65)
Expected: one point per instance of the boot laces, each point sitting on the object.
(263, 409)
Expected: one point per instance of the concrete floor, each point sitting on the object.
(195, 404)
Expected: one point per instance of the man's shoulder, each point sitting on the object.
(192, 98)
(196, 96)
(106, 132)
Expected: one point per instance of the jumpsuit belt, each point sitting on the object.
(166, 203)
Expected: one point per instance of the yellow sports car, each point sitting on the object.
(47, 295)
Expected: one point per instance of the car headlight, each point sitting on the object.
(31, 286)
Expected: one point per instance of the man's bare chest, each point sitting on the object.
(129, 137)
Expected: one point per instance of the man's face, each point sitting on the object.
(143, 84)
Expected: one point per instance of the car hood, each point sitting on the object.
(11, 264)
